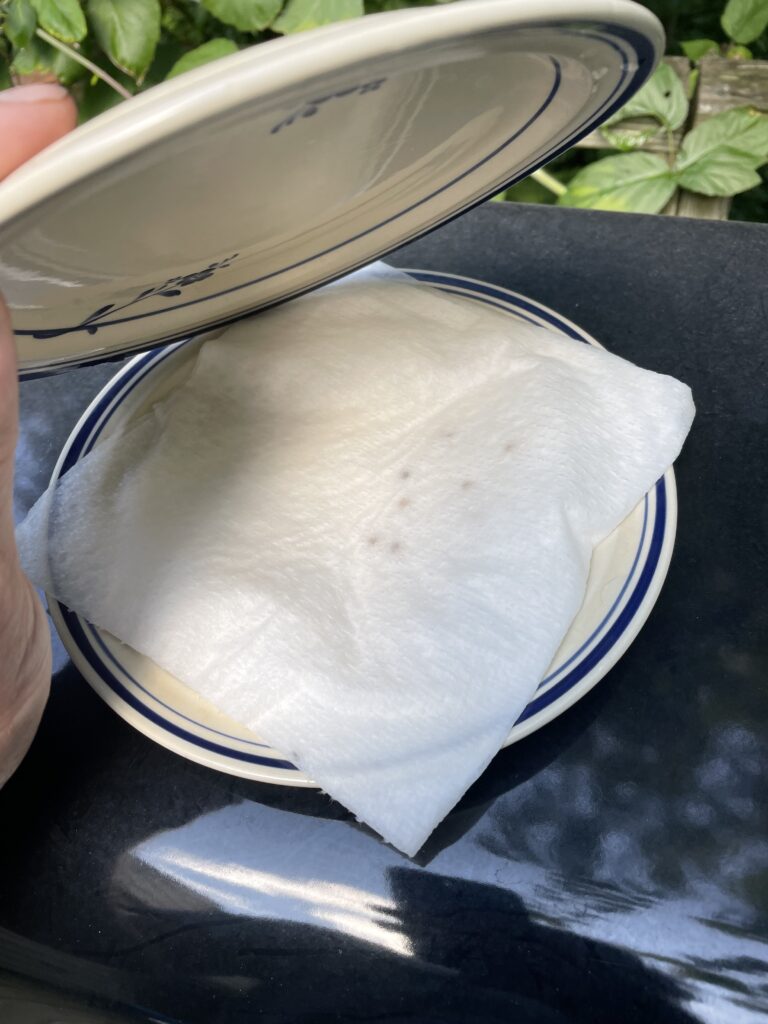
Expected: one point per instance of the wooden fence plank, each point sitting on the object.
(724, 84)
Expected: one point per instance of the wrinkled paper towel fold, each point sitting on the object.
(362, 527)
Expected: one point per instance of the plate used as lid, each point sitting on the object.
(283, 166)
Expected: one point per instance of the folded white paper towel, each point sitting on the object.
(362, 527)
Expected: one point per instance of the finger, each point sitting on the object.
(8, 431)
(31, 118)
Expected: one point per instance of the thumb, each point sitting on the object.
(31, 118)
(8, 431)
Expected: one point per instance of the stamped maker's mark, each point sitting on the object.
(311, 107)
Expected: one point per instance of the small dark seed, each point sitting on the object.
(394, 547)
(405, 474)
(404, 502)
(466, 485)
(373, 540)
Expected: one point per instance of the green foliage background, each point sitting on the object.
(138, 43)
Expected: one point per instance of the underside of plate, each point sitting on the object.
(289, 164)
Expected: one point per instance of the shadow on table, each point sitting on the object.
(486, 959)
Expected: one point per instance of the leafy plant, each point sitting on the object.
(128, 33)
(720, 157)
(202, 54)
(636, 182)
(662, 99)
(245, 15)
(742, 21)
(127, 45)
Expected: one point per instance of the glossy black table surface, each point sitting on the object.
(611, 868)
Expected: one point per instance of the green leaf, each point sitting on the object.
(180, 23)
(695, 49)
(127, 31)
(204, 54)
(5, 76)
(245, 15)
(631, 182)
(720, 157)
(737, 52)
(723, 172)
(32, 58)
(742, 128)
(21, 22)
(38, 57)
(300, 15)
(63, 19)
(744, 20)
(662, 97)
(527, 191)
(67, 70)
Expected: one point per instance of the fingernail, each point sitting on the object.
(36, 92)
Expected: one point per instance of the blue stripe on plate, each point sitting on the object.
(95, 639)
(623, 620)
(75, 626)
(507, 299)
(609, 614)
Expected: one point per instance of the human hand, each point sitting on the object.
(31, 117)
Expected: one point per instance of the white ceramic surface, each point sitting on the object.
(288, 164)
(626, 576)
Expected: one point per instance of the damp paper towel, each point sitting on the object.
(362, 527)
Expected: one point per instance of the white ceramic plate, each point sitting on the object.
(283, 166)
(626, 575)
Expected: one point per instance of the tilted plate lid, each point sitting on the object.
(286, 165)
